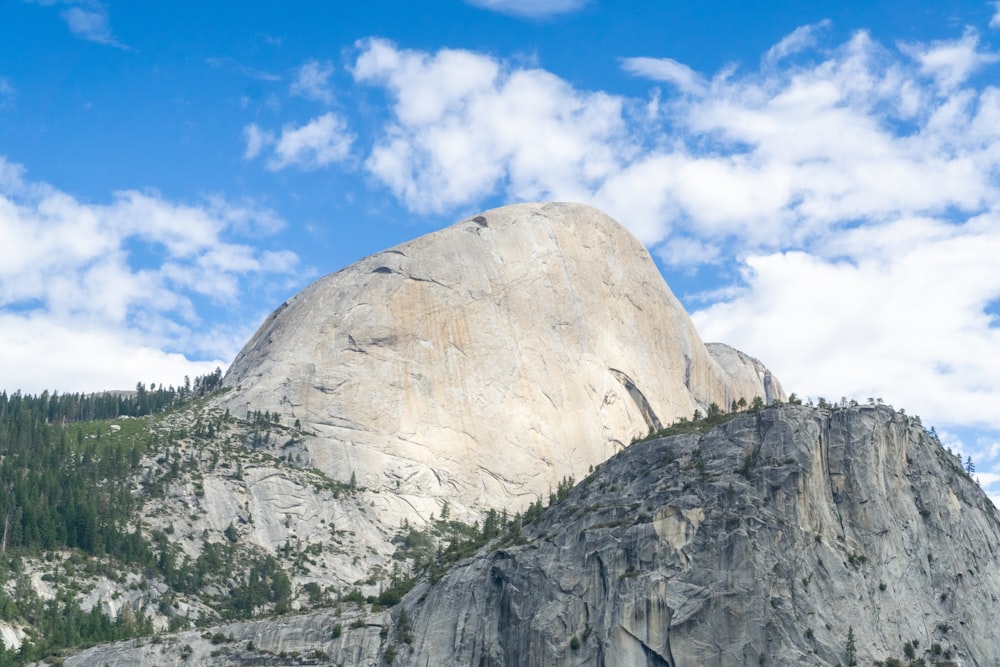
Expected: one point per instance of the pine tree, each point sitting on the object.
(851, 651)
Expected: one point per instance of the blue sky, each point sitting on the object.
(819, 182)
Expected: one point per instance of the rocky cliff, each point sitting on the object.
(770, 540)
(480, 364)
(786, 536)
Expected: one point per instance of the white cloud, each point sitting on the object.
(464, 124)
(530, 8)
(321, 141)
(951, 62)
(771, 157)
(774, 158)
(85, 358)
(93, 294)
(892, 310)
(256, 140)
(682, 251)
(995, 20)
(87, 19)
(796, 153)
(667, 70)
(312, 81)
(90, 23)
(800, 39)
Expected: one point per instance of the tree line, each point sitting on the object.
(56, 408)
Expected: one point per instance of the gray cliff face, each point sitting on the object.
(766, 540)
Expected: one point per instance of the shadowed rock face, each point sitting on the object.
(767, 540)
(482, 363)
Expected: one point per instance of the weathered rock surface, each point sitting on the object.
(767, 540)
(746, 371)
(480, 364)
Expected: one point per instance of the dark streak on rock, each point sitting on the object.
(652, 421)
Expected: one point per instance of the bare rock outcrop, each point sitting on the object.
(793, 536)
(788, 536)
(745, 371)
(480, 364)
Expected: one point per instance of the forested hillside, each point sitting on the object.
(67, 486)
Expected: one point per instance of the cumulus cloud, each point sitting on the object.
(465, 123)
(99, 291)
(86, 358)
(951, 62)
(771, 158)
(995, 20)
(320, 142)
(530, 8)
(893, 310)
(312, 81)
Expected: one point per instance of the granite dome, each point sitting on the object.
(481, 363)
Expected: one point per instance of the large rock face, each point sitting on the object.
(769, 540)
(481, 363)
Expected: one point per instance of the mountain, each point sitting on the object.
(369, 487)
(788, 535)
(373, 431)
(479, 365)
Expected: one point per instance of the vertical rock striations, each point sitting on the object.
(773, 539)
(768, 540)
(481, 363)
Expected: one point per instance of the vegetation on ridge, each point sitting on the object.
(71, 494)
(69, 514)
